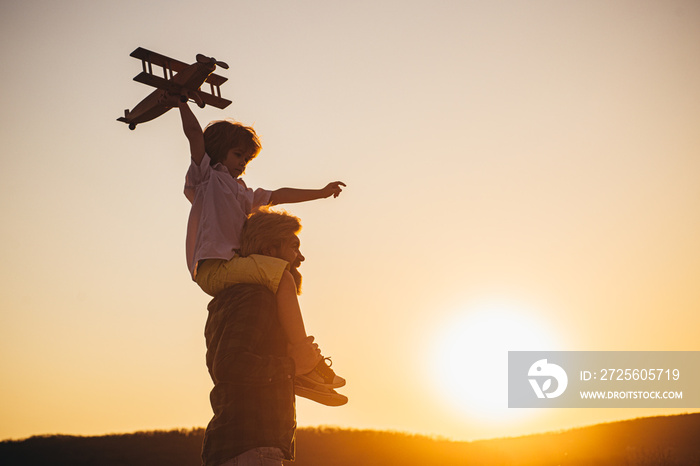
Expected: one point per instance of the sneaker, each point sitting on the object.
(323, 375)
(318, 393)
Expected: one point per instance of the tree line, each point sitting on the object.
(663, 440)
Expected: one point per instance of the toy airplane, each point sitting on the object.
(178, 79)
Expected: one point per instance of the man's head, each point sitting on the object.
(274, 233)
(231, 143)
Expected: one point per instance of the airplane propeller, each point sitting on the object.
(211, 61)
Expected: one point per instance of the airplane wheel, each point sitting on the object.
(183, 98)
(201, 104)
(132, 126)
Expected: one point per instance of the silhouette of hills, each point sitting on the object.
(664, 440)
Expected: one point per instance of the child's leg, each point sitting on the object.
(314, 377)
(305, 353)
(289, 311)
(215, 275)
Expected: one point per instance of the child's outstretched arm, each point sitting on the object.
(193, 132)
(292, 195)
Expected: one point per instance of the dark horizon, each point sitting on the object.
(670, 440)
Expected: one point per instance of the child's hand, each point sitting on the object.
(172, 100)
(306, 355)
(332, 189)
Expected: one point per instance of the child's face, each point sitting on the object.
(236, 161)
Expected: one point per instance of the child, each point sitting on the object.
(221, 203)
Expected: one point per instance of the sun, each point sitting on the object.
(469, 358)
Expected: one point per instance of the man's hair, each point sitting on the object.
(266, 229)
(221, 136)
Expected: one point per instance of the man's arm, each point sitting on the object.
(293, 195)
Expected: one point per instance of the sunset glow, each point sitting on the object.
(471, 356)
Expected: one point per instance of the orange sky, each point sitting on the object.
(521, 175)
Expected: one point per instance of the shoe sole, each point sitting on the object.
(328, 398)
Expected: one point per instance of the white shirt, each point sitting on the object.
(220, 206)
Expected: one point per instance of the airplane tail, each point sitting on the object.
(125, 117)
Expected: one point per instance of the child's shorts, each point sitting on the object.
(215, 275)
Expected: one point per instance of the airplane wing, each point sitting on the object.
(161, 83)
(160, 60)
(213, 100)
(216, 80)
(156, 81)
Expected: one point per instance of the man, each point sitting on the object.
(247, 356)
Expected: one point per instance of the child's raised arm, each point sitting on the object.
(193, 132)
(292, 195)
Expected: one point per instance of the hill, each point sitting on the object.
(666, 440)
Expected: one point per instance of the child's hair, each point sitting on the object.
(221, 136)
(266, 229)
